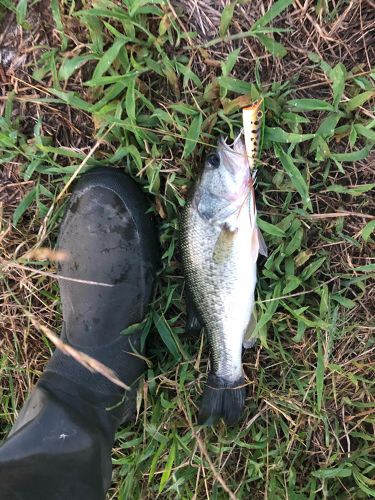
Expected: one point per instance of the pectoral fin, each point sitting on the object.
(254, 244)
(224, 245)
(258, 245)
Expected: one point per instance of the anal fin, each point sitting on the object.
(263, 250)
(249, 338)
(193, 323)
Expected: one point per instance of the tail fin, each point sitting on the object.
(222, 399)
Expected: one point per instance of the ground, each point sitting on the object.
(148, 86)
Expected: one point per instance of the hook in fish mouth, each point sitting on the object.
(253, 110)
(223, 142)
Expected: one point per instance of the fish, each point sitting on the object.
(220, 243)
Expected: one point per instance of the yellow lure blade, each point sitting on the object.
(252, 119)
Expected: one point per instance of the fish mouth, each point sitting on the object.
(229, 148)
(233, 155)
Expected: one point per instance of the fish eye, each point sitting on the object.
(214, 160)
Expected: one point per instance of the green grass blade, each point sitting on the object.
(337, 75)
(24, 205)
(277, 8)
(309, 105)
(319, 374)
(108, 58)
(295, 175)
(226, 18)
(192, 135)
(275, 48)
(359, 100)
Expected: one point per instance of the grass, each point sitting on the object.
(149, 86)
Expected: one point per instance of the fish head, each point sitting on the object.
(224, 183)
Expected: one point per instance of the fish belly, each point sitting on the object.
(223, 292)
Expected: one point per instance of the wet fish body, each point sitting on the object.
(221, 286)
(220, 244)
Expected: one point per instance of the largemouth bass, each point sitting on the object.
(220, 243)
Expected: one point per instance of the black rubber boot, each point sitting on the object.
(60, 446)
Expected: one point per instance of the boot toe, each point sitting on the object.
(109, 246)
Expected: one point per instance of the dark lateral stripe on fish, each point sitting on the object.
(222, 399)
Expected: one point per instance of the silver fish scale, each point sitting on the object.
(214, 288)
